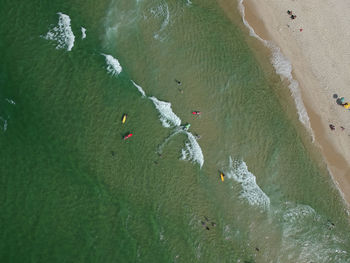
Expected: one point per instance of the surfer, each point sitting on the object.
(124, 118)
(222, 176)
(186, 126)
(127, 136)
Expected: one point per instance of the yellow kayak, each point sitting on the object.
(124, 118)
(222, 176)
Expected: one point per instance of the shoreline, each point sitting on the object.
(321, 110)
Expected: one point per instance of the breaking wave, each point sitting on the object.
(139, 88)
(83, 32)
(167, 116)
(11, 101)
(192, 151)
(113, 65)
(62, 33)
(251, 191)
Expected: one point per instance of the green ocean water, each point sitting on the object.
(72, 190)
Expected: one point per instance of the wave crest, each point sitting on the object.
(62, 33)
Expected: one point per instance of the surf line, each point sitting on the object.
(283, 67)
(192, 151)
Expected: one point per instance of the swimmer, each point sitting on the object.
(178, 82)
(330, 224)
(197, 136)
(113, 153)
(213, 224)
(207, 228)
(206, 218)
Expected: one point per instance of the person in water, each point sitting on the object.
(178, 82)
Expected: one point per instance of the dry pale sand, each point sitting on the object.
(317, 43)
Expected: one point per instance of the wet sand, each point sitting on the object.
(316, 43)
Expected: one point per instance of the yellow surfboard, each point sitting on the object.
(124, 118)
(222, 176)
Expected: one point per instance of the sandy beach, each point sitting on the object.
(316, 43)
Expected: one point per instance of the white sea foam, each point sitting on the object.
(83, 32)
(139, 89)
(113, 65)
(11, 101)
(161, 11)
(4, 123)
(306, 239)
(161, 146)
(192, 151)
(189, 2)
(62, 33)
(167, 116)
(283, 67)
(251, 191)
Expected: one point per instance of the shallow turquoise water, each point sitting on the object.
(73, 191)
